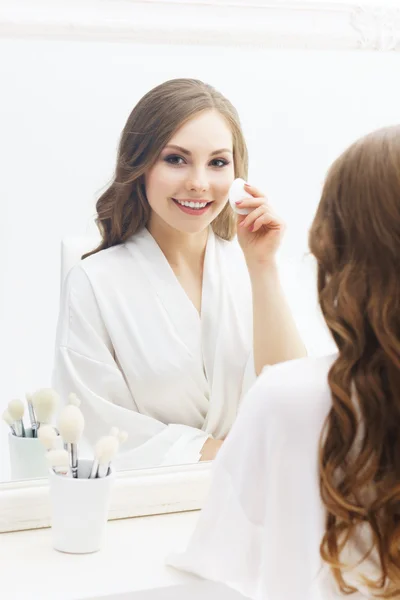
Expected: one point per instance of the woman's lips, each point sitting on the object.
(192, 211)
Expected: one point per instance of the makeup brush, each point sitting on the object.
(47, 435)
(32, 416)
(9, 420)
(121, 435)
(44, 403)
(16, 410)
(70, 426)
(58, 460)
(104, 451)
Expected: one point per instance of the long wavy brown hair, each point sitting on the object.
(123, 209)
(355, 238)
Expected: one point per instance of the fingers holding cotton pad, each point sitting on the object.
(237, 192)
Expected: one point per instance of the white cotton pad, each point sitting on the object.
(237, 192)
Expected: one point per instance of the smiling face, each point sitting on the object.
(188, 186)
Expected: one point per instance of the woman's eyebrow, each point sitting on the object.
(185, 151)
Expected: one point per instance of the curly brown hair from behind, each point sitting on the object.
(355, 238)
(123, 209)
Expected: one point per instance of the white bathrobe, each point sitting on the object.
(263, 521)
(132, 346)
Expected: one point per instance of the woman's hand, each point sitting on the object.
(260, 232)
(210, 449)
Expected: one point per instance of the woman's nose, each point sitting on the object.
(197, 182)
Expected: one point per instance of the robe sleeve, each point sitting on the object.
(84, 364)
(259, 530)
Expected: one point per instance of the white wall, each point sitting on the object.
(62, 107)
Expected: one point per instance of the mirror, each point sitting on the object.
(65, 103)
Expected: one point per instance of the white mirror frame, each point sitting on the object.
(136, 493)
(338, 24)
(334, 25)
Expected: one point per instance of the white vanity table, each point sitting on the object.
(131, 566)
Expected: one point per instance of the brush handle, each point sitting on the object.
(19, 428)
(93, 472)
(32, 418)
(13, 431)
(73, 459)
(102, 471)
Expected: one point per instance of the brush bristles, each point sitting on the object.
(7, 418)
(45, 402)
(71, 424)
(16, 409)
(106, 449)
(57, 458)
(47, 435)
(122, 436)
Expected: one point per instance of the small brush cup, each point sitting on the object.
(79, 509)
(28, 456)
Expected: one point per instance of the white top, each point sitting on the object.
(262, 525)
(132, 346)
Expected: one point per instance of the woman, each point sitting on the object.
(155, 329)
(305, 503)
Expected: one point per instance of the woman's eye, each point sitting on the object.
(219, 162)
(174, 160)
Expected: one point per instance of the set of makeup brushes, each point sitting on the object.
(42, 406)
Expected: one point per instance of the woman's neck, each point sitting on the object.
(180, 249)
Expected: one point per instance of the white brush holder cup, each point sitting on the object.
(28, 456)
(79, 509)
